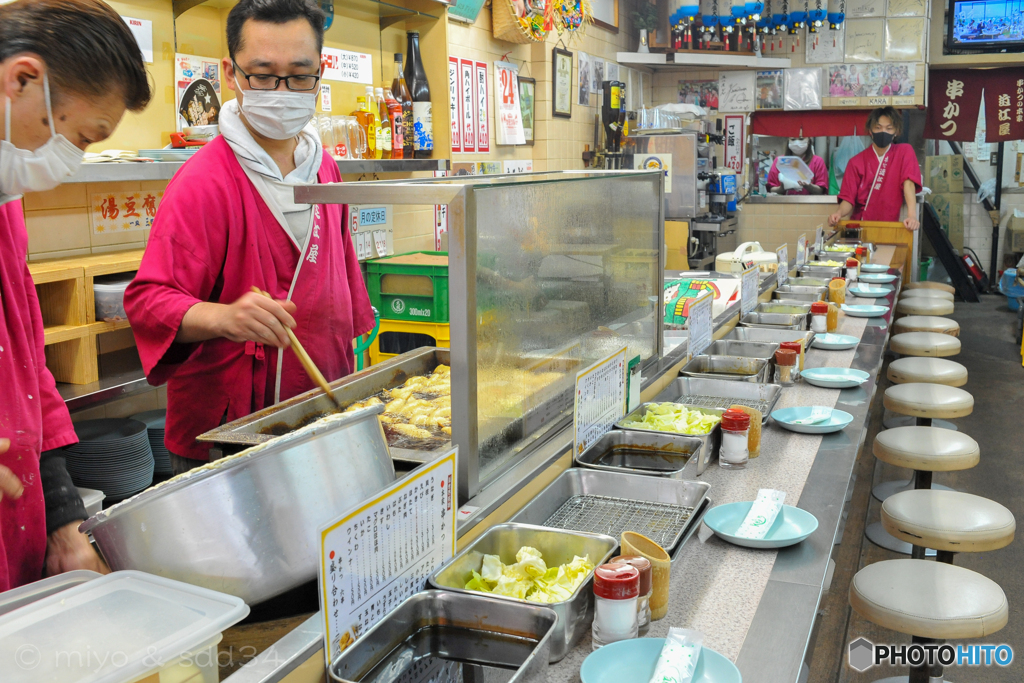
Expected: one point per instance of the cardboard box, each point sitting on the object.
(950, 208)
(944, 173)
(1015, 234)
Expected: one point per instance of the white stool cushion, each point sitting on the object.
(924, 307)
(926, 323)
(924, 344)
(928, 400)
(926, 294)
(929, 599)
(948, 520)
(927, 370)
(929, 285)
(930, 449)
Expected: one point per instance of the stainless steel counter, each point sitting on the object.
(793, 199)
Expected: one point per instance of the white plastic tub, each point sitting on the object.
(109, 295)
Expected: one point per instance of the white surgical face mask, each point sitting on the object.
(24, 171)
(277, 114)
(799, 146)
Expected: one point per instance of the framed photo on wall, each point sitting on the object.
(561, 80)
(528, 105)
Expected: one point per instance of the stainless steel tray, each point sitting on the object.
(638, 503)
(821, 271)
(742, 349)
(636, 452)
(300, 410)
(776, 307)
(709, 449)
(556, 546)
(449, 636)
(786, 321)
(790, 289)
(720, 394)
(796, 300)
(807, 282)
(732, 368)
(770, 334)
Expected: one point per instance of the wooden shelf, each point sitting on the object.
(393, 165)
(678, 61)
(62, 333)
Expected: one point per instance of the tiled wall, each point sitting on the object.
(978, 227)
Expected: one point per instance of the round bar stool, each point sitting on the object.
(926, 323)
(924, 307)
(894, 421)
(947, 521)
(930, 601)
(929, 285)
(928, 401)
(926, 370)
(926, 294)
(924, 344)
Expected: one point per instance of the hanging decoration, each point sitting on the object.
(572, 16)
(519, 21)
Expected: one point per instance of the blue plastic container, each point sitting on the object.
(1011, 290)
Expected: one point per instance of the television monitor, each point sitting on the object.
(986, 25)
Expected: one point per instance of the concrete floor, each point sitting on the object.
(991, 355)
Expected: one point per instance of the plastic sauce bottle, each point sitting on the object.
(785, 364)
(837, 290)
(643, 605)
(819, 317)
(397, 123)
(368, 122)
(616, 594)
(832, 318)
(384, 124)
(734, 454)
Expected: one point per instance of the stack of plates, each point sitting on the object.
(154, 421)
(112, 455)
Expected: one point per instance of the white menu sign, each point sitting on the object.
(483, 100)
(600, 399)
(699, 323)
(343, 65)
(382, 552)
(468, 116)
(454, 103)
(819, 238)
(748, 291)
(782, 275)
(801, 251)
(509, 117)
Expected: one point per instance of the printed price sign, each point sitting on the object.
(801, 251)
(382, 552)
(748, 291)
(782, 275)
(600, 399)
(342, 65)
(699, 323)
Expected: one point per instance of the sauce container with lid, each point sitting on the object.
(616, 593)
(643, 605)
(819, 317)
(735, 434)
(785, 364)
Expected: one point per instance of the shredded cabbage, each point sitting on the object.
(529, 578)
(673, 417)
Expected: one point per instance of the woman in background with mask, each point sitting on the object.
(883, 177)
(228, 222)
(68, 71)
(800, 147)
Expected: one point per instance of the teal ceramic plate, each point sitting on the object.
(834, 342)
(870, 292)
(877, 277)
(834, 378)
(864, 311)
(835, 423)
(790, 527)
(634, 660)
(874, 268)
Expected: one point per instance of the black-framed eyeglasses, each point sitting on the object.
(297, 82)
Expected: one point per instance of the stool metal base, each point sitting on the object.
(895, 421)
(906, 679)
(891, 488)
(877, 534)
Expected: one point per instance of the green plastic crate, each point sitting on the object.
(398, 305)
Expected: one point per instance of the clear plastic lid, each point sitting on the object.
(794, 169)
(111, 630)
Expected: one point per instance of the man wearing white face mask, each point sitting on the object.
(59, 96)
(228, 222)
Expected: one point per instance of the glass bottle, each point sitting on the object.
(397, 121)
(819, 317)
(785, 365)
(367, 121)
(400, 89)
(616, 594)
(643, 606)
(799, 348)
(419, 89)
(734, 453)
(384, 122)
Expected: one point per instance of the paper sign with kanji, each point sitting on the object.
(114, 212)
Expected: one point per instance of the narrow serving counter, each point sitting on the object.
(757, 607)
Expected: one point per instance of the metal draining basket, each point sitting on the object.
(660, 522)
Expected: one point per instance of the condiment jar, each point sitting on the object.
(819, 317)
(616, 593)
(799, 348)
(733, 454)
(852, 269)
(785, 362)
(862, 254)
(643, 605)
(837, 290)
